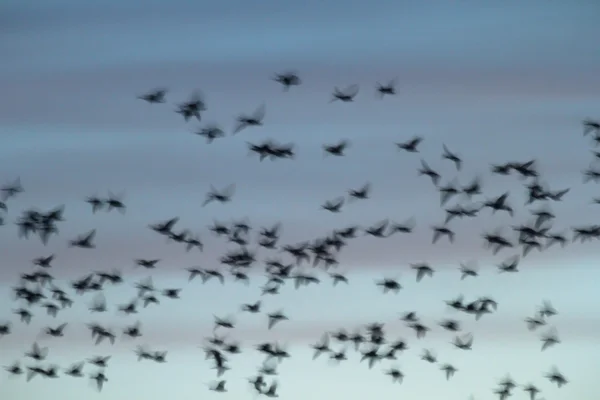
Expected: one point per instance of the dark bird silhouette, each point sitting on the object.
(37, 353)
(429, 356)
(210, 133)
(321, 347)
(84, 241)
(499, 204)
(591, 126)
(388, 89)
(422, 269)
(546, 310)
(56, 332)
(193, 107)
(254, 119)
(473, 188)
(468, 270)
(532, 390)
(549, 339)
(361, 193)
(449, 370)
(96, 202)
(439, 231)
(99, 378)
(411, 145)
(221, 196)
(396, 375)
(14, 369)
(5, 329)
(556, 377)
(426, 170)
(114, 202)
(345, 95)
(287, 79)
(44, 262)
(464, 342)
(11, 190)
(275, 318)
(164, 228)
(75, 370)
(389, 285)
(154, 96)
(333, 206)
(337, 149)
(448, 155)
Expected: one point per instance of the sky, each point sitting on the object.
(495, 81)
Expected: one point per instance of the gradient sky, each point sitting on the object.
(494, 80)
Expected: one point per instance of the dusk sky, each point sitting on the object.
(496, 81)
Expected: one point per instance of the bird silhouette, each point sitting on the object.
(154, 96)
(287, 79)
(254, 119)
(346, 94)
(388, 89)
(270, 260)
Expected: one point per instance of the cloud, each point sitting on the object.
(122, 238)
(489, 330)
(72, 127)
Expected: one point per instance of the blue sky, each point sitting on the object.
(496, 81)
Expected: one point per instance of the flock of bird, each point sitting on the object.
(38, 292)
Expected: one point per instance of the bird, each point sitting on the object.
(154, 96)
(241, 260)
(287, 79)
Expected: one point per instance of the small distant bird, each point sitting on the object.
(154, 96)
(287, 79)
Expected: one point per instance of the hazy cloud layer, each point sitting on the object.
(494, 81)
